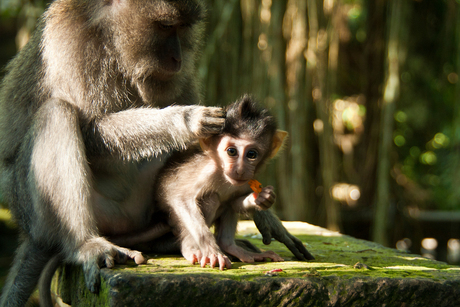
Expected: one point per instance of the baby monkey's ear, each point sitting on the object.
(205, 143)
(278, 142)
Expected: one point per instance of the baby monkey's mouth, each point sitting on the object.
(236, 181)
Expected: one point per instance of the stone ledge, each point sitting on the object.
(383, 277)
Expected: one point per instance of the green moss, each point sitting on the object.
(331, 276)
(335, 256)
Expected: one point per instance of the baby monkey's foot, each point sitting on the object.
(212, 256)
(216, 258)
(250, 257)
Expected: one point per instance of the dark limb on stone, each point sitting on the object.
(271, 227)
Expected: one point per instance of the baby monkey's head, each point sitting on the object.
(249, 139)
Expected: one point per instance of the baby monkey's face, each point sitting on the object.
(240, 158)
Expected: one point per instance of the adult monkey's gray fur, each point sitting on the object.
(82, 129)
(87, 110)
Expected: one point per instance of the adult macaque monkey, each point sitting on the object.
(85, 116)
(201, 187)
(85, 123)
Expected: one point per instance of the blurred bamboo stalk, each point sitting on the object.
(390, 96)
(455, 160)
(319, 69)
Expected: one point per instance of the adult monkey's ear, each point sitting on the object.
(278, 142)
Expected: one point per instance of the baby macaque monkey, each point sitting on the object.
(207, 186)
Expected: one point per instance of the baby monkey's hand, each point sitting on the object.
(266, 198)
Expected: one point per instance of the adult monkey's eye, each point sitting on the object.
(252, 154)
(232, 151)
(165, 25)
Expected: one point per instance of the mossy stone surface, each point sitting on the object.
(346, 272)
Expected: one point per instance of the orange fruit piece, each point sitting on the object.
(255, 185)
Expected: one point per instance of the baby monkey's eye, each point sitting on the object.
(232, 151)
(252, 154)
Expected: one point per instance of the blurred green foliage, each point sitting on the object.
(427, 112)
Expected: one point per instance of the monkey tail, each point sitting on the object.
(44, 284)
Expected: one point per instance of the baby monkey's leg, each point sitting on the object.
(226, 229)
(197, 241)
